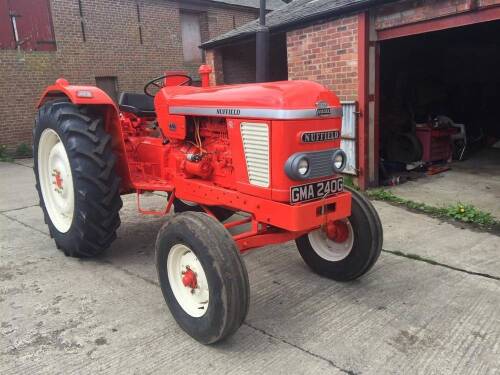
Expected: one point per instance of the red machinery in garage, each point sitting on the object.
(269, 151)
(436, 142)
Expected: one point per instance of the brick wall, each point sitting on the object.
(326, 53)
(406, 12)
(232, 64)
(214, 59)
(22, 77)
(238, 62)
(112, 48)
(221, 21)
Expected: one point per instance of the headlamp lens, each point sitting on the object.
(303, 166)
(339, 161)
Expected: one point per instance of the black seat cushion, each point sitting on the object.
(139, 104)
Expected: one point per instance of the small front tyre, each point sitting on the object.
(202, 276)
(346, 249)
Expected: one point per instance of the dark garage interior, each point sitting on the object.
(439, 103)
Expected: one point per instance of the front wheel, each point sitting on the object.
(202, 276)
(346, 249)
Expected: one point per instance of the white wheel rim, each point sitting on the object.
(56, 180)
(193, 301)
(328, 249)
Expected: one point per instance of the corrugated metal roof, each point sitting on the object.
(270, 4)
(295, 12)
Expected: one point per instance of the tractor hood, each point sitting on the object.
(285, 100)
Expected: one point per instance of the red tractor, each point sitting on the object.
(268, 152)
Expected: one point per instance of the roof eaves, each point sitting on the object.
(235, 39)
(298, 22)
(233, 5)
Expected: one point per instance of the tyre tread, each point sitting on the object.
(97, 194)
(346, 270)
(226, 258)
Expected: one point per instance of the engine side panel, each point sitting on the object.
(241, 173)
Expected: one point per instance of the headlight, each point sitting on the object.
(315, 164)
(303, 166)
(298, 167)
(339, 160)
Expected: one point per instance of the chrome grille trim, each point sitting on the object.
(320, 164)
(255, 138)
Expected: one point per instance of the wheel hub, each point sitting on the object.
(337, 231)
(189, 279)
(58, 181)
(334, 241)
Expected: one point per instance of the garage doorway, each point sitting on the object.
(439, 118)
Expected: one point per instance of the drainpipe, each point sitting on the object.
(262, 46)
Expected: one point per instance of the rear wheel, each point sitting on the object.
(346, 249)
(202, 276)
(221, 213)
(75, 179)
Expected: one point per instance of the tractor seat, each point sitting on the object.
(140, 105)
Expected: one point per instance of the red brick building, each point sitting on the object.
(382, 58)
(116, 44)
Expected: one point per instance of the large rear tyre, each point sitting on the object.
(221, 213)
(352, 251)
(75, 175)
(202, 276)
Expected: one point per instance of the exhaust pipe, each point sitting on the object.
(262, 46)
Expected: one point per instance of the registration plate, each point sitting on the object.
(315, 190)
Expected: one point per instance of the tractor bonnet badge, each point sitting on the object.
(324, 136)
(322, 109)
(228, 111)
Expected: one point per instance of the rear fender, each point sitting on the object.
(106, 107)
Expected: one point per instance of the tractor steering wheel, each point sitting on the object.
(159, 82)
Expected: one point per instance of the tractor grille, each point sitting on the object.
(255, 137)
(321, 163)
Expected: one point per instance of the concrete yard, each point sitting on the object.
(473, 181)
(107, 315)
